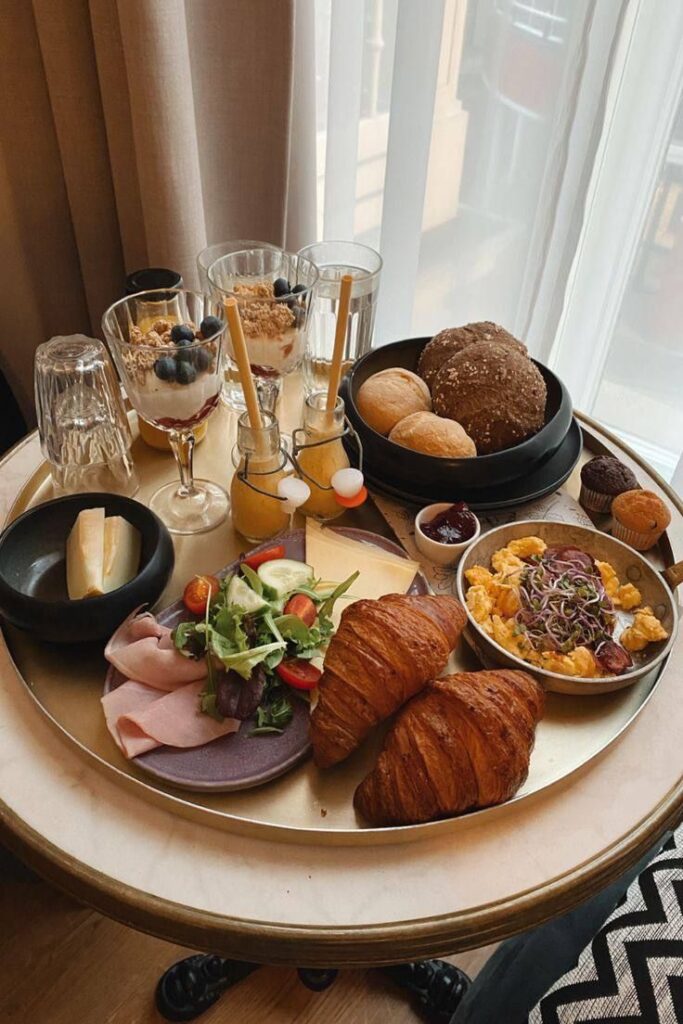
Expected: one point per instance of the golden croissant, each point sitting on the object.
(463, 743)
(382, 654)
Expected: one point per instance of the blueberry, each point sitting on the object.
(184, 354)
(185, 372)
(298, 288)
(165, 368)
(281, 287)
(209, 326)
(202, 359)
(181, 332)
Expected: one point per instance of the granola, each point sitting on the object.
(267, 319)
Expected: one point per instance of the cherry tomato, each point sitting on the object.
(268, 555)
(298, 673)
(302, 607)
(355, 500)
(199, 592)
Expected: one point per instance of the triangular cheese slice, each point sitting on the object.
(121, 552)
(85, 555)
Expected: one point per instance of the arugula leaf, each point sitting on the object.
(293, 628)
(242, 662)
(253, 579)
(189, 639)
(325, 610)
(228, 621)
(208, 705)
(271, 624)
(273, 717)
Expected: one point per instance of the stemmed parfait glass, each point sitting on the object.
(168, 350)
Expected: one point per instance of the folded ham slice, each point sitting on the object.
(141, 718)
(143, 650)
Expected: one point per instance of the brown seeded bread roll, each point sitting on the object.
(496, 393)
(452, 340)
(433, 435)
(388, 396)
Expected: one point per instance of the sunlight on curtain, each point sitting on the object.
(641, 390)
(496, 79)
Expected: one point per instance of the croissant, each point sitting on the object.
(463, 743)
(382, 654)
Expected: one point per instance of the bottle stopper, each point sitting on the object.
(296, 492)
(349, 489)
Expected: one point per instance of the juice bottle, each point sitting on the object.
(320, 462)
(258, 462)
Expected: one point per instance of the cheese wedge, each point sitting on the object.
(85, 555)
(121, 552)
(334, 559)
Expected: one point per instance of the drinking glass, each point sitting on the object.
(174, 386)
(333, 260)
(214, 252)
(274, 292)
(84, 431)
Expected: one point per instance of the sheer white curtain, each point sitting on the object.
(470, 140)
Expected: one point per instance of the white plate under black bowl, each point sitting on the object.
(541, 480)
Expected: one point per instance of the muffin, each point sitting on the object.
(432, 435)
(640, 518)
(452, 340)
(495, 392)
(602, 479)
(388, 396)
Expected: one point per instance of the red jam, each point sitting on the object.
(452, 526)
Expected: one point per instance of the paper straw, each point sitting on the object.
(339, 341)
(239, 347)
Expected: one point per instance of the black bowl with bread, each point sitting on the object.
(497, 414)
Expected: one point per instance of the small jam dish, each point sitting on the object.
(437, 552)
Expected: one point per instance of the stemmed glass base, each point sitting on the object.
(196, 509)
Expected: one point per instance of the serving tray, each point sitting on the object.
(307, 805)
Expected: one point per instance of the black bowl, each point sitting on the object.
(33, 593)
(412, 471)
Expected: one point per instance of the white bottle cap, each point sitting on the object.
(347, 482)
(295, 491)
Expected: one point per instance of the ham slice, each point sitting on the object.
(143, 650)
(140, 718)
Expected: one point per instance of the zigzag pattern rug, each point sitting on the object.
(632, 971)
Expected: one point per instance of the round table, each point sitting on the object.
(276, 903)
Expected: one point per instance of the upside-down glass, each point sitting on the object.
(174, 388)
(275, 327)
(83, 427)
(333, 260)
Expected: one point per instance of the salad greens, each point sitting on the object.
(241, 639)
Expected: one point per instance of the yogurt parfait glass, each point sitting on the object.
(274, 292)
(168, 350)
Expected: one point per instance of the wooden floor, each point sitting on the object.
(61, 963)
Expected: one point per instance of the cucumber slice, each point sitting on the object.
(284, 574)
(240, 593)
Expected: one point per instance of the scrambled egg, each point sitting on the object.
(645, 629)
(610, 580)
(493, 599)
(628, 596)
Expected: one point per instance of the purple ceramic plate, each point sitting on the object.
(239, 761)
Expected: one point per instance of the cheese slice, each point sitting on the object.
(85, 555)
(334, 559)
(121, 552)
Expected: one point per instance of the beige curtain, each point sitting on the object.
(133, 133)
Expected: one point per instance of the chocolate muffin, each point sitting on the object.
(452, 340)
(602, 479)
(495, 392)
